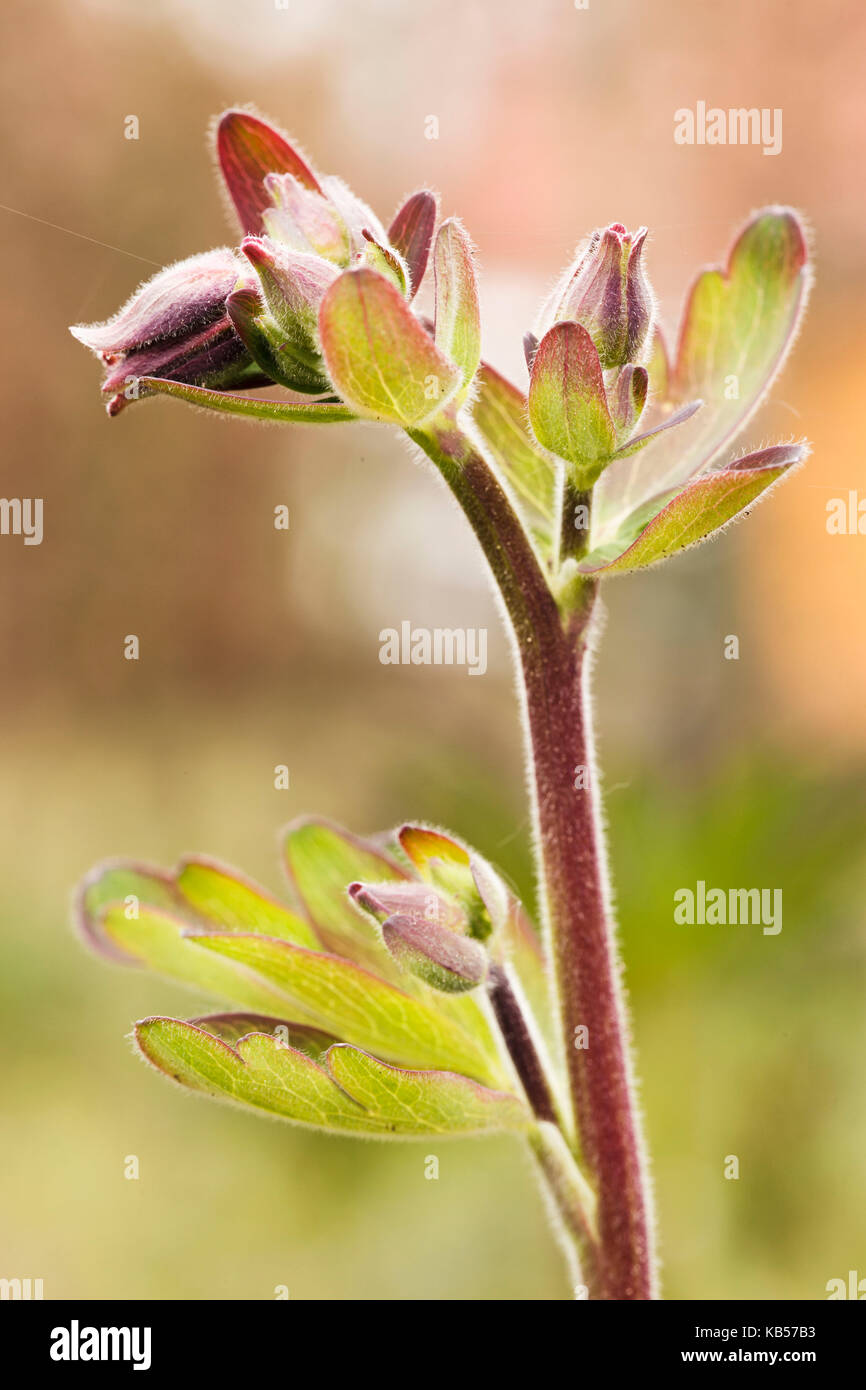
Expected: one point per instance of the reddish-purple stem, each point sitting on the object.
(552, 653)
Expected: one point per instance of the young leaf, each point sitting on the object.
(322, 861)
(567, 403)
(424, 1102)
(256, 1071)
(119, 881)
(248, 149)
(458, 317)
(159, 939)
(222, 896)
(314, 413)
(386, 261)
(411, 233)
(356, 1094)
(231, 1027)
(379, 358)
(500, 412)
(355, 1005)
(738, 326)
(639, 441)
(704, 506)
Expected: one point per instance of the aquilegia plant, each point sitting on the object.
(405, 991)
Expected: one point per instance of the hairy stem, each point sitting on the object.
(552, 649)
(519, 1043)
(571, 1201)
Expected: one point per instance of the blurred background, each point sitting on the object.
(260, 647)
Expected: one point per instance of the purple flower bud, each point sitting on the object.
(608, 293)
(441, 958)
(174, 327)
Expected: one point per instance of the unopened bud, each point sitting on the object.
(608, 293)
(441, 958)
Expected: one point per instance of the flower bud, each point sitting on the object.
(293, 284)
(441, 958)
(608, 293)
(176, 328)
(408, 898)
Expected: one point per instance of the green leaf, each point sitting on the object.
(357, 1094)
(500, 412)
(312, 413)
(458, 317)
(424, 1102)
(379, 357)
(567, 403)
(387, 262)
(322, 861)
(704, 506)
(113, 882)
(355, 1005)
(231, 1027)
(222, 896)
(257, 1071)
(738, 325)
(158, 939)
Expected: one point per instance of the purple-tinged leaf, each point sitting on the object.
(424, 1102)
(706, 505)
(121, 881)
(738, 325)
(411, 233)
(379, 358)
(248, 149)
(231, 1027)
(567, 403)
(638, 441)
(346, 1091)
(314, 413)
(257, 1071)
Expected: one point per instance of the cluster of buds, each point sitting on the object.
(437, 926)
(588, 382)
(317, 297)
(237, 319)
